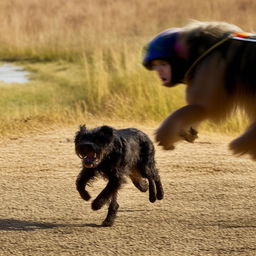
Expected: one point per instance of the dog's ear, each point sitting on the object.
(79, 133)
(82, 128)
(106, 130)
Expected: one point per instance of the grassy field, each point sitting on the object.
(85, 58)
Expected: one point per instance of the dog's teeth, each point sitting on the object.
(84, 157)
(95, 155)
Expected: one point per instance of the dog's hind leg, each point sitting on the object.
(246, 143)
(147, 169)
(112, 211)
(140, 183)
(155, 189)
(152, 190)
(159, 188)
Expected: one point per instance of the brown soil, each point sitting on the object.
(208, 209)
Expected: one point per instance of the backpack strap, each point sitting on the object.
(243, 36)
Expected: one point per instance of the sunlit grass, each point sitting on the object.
(85, 59)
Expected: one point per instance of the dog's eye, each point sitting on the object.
(98, 140)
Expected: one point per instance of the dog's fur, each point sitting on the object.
(116, 154)
(221, 81)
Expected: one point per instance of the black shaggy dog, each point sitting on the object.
(116, 154)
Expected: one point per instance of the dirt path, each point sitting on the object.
(208, 209)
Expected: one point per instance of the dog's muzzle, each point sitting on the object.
(88, 154)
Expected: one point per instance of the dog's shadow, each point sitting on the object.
(23, 225)
(14, 224)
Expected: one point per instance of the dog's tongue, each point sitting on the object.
(90, 157)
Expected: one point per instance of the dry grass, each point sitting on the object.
(99, 45)
(60, 28)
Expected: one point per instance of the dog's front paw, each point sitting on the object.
(189, 135)
(98, 203)
(246, 143)
(85, 195)
(238, 146)
(108, 222)
(167, 135)
(243, 145)
(165, 139)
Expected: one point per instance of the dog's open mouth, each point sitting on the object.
(90, 160)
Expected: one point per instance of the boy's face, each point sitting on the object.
(163, 69)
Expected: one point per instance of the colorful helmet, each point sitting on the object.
(161, 47)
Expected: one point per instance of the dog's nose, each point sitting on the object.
(85, 147)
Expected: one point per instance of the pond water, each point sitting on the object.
(13, 74)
